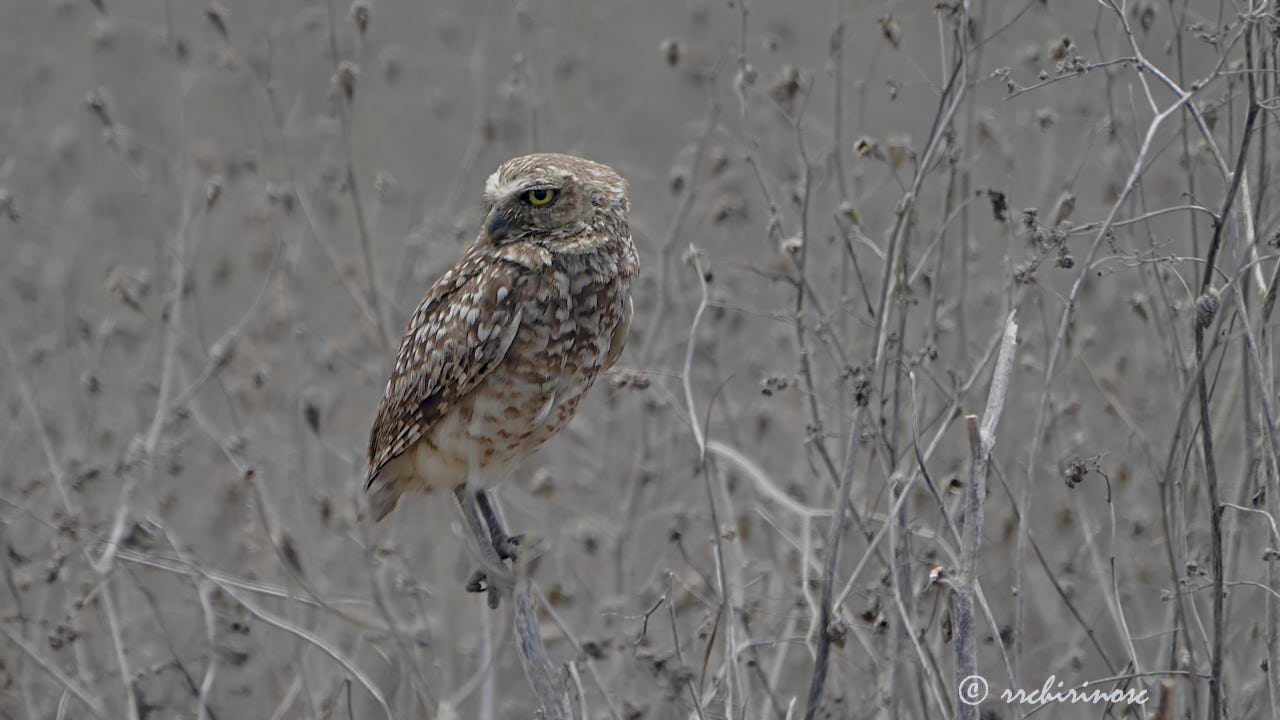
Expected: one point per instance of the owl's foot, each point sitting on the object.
(503, 543)
(491, 542)
(479, 582)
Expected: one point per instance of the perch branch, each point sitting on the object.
(981, 439)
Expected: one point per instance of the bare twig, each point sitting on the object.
(343, 102)
(728, 550)
(1217, 699)
(1051, 367)
(548, 683)
(649, 345)
(981, 440)
(323, 645)
(92, 703)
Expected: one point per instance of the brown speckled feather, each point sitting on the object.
(458, 335)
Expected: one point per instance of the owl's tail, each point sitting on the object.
(384, 493)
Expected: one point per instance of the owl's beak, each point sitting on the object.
(498, 226)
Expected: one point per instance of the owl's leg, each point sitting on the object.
(479, 531)
(503, 543)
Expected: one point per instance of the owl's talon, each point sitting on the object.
(505, 545)
(479, 583)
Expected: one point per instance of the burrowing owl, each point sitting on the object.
(506, 342)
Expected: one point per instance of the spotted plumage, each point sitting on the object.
(506, 343)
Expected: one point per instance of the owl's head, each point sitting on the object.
(556, 198)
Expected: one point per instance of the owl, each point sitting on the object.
(507, 342)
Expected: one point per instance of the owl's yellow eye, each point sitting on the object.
(540, 196)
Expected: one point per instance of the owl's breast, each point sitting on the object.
(568, 323)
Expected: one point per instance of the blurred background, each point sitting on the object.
(216, 218)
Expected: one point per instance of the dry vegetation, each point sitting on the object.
(953, 354)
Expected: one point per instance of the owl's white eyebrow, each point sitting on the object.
(493, 187)
(496, 190)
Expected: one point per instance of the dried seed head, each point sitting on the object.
(999, 204)
(96, 101)
(726, 206)
(717, 160)
(629, 380)
(216, 14)
(289, 551)
(786, 86)
(848, 211)
(385, 186)
(281, 194)
(102, 33)
(181, 51)
(1065, 260)
(989, 128)
(868, 147)
(1210, 114)
(130, 288)
(360, 13)
(1059, 50)
(898, 149)
(7, 208)
(774, 384)
(1062, 210)
(346, 77)
(212, 190)
(1046, 117)
(679, 177)
(121, 139)
(1207, 306)
(311, 412)
(677, 181)
(1145, 12)
(1075, 472)
(670, 49)
(1005, 74)
(891, 32)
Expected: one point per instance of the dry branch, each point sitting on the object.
(548, 683)
(981, 440)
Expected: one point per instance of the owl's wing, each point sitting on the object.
(459, 334)
(618, 340)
